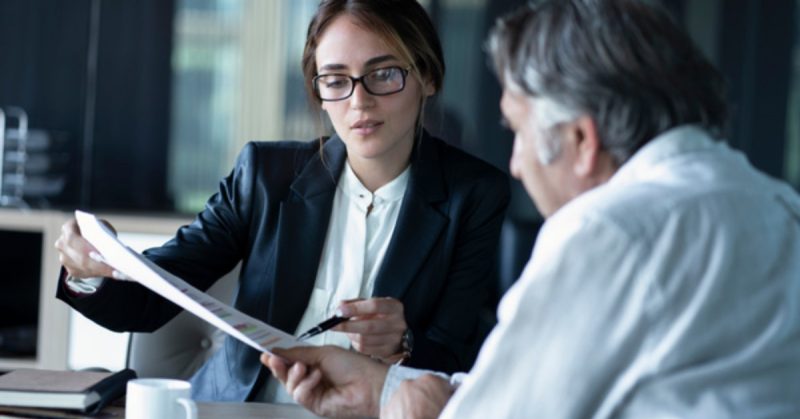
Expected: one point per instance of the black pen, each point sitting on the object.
(327, 324)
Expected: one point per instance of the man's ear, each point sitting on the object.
(588, 149)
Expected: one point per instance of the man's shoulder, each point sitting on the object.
(634, 210)
(643, 208)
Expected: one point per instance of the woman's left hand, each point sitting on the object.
(376, 326)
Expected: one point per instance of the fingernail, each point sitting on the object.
(93, 255)
(340, 313)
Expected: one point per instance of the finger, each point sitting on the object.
(266, 356)
(71, 238)
(276, 365)
(309, 355)
(295, 375)
(78, 255)
(382, 349)
(70, 227)
(351, 300)
(279, 369)
(382, 352)
(97, 257)
(79, 264)
(59, 243)
(386, 339)
(305, 390)
(339, 312)
(371, 306)
(374, 326)
(74, 255)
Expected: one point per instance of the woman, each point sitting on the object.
(382, 223)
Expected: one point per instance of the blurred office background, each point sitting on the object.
(151, 100)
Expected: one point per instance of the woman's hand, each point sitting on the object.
(80, 258)
(376, 326)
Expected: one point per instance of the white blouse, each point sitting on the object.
(359, 231)
(360, 228)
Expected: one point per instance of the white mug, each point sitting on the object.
(159, 398)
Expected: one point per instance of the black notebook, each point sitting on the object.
(70, 390)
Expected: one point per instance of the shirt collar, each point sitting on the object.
(677, 141)
(390, 192)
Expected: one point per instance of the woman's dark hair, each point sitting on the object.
(625, 63)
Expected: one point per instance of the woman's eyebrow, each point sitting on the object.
(331, 67)
(380, 59)
(369, 63)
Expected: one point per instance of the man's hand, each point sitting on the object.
(78, 257)
(328, 380)
(424, 397)
(376, 326)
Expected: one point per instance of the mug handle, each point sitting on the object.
(189, 406)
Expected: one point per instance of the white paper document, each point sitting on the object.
(247, 329)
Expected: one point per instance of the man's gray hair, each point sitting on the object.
(549, 116)
(624, 63)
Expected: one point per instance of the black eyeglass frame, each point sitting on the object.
(353, 80)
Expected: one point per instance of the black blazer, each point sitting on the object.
(272, 212)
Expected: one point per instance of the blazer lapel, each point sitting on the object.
(419, 224)
(302, 228)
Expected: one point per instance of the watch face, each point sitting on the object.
(408, 341)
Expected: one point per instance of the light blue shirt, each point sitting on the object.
(671, 291)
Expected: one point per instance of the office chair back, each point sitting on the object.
(180, 347)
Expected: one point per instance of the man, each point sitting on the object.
(666, 280)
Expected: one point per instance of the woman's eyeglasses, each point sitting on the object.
(379, 82)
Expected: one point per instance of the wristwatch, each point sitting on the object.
(406, 345)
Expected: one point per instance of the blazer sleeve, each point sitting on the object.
(200, 253)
